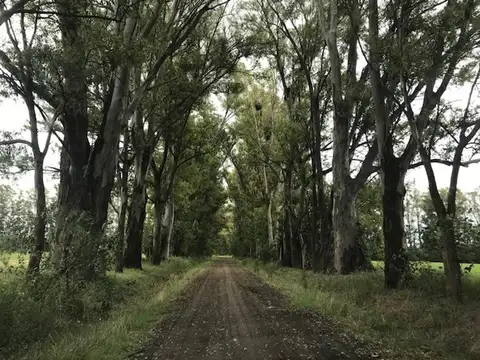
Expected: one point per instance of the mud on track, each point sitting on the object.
(229, 313)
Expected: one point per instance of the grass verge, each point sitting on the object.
(136, 301)
(418, 323)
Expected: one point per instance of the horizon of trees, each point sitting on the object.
(125, 89)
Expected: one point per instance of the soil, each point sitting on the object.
(229, 313)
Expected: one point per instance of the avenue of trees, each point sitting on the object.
(281, 130)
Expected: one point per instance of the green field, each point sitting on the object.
(435, 266)
(13, 260)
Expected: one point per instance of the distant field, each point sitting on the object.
(436, 265)
(14, 260)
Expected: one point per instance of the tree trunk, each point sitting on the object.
(322, 238)
(136, 218)
(123, 177)
(167, 228)
(75, 217)
(157, 232)
(451, 264)
(393, 223)
(326, 262)
(392, 170)
(137, 211)
(301, 213)
(163, 196)
(287, 221)
(39, 156)
(40, 219)
(86, 186)
(446, 217)
(349, 256)
(271, 240)
(119, 264)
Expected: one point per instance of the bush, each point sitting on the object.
(34, 310)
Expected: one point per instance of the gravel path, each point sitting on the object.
(229, 313)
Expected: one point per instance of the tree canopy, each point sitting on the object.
(280, 130)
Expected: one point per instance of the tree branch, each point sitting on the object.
(445, 162)
(16, 142)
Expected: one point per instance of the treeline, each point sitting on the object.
(123, 89)
(346, 90)
(353, 89)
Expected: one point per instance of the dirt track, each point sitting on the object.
(228, 313)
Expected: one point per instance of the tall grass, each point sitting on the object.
(415, 323)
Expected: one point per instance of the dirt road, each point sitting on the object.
(228, 313)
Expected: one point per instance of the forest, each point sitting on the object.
(156, 134)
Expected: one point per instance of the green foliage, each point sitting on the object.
(17, 219)
(199, 196)
(370, 219)
(49, 307)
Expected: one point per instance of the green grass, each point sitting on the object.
(436, 266)
(417, 323)
(13, 260)
(116, 314)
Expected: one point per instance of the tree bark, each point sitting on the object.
(349, 255)
(39, 157)
(393, 223)
(393, 174)
(123, 178)
(160, 205)
(162, 192)
(167, 228)
(287, 256)
(322, 257)
(119, 264)
(40, 219)
(137, 210)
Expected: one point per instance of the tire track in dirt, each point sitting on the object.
(229, 313)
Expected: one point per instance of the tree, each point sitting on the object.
(349, 110)
(24, 49)
(467, 127)
(397, 79)
(88, 171)
(198, 192)
(257, 113)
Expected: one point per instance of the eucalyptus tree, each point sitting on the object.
(256, 111)
(351, 125)
(21, 66)
(88, 170)
(413, 57)
(208, 56)
(198, 192)
(460, 126)
(292, 28)
(290, 40)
